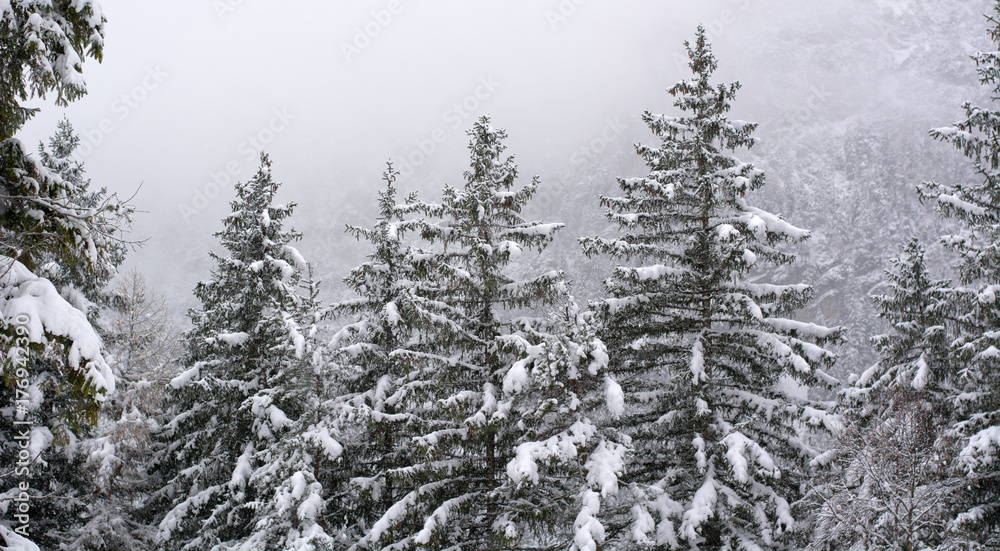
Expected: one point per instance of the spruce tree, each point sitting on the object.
(914, 357)
(296, 478)
(976, 206)
(568, 456)
(381, 320)
(462, 436)
(231, 403)
(86, 285)
(713, 369)
(895, 485)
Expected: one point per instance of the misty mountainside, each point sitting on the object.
(840, 162)
(844, 94)
(850, 175)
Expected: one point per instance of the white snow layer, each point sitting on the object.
(15, 541)
(234, 339)
(742, 451)
(589, 531)
(440, 517)
(604, 466)
(702, 507)
(517, 377)
(698, 363)
(243, 469)
(615, 397)
(559, 448)
(982, 449)
(186, 377)
(25, 297)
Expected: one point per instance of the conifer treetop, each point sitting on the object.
(486, 211)
(709, 104)
(247, 360)
(711, 362)
(480, 225)
(384, 285)
(447, 486)
(913, 356)
(976, 206)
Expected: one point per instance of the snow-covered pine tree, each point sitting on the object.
(84, 284)
(297, 477)
(894, 485)
(914, 357)
(65, 404)
(714, 371)
(229, 403)
(462, 438)
(382, 321)
(568, 458)
(976, 206)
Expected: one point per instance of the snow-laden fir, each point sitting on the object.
(237, 453)
(703, 350)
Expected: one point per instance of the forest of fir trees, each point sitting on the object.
(463, 400)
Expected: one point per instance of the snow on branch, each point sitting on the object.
(440, 516)
(25, 297)
(15, 541)
(742, 451)
(702, 507)
(589, 532)
(982, 449)
(175, 516)
(772, 222)
(953, 201)
(803, 329)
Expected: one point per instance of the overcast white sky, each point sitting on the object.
(184, 84)
(332, 89)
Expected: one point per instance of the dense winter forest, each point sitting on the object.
(695, 371)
